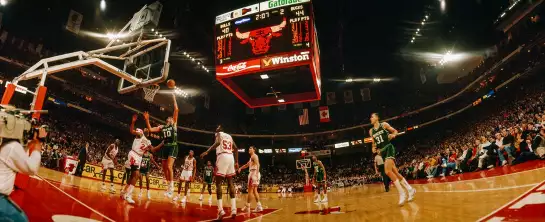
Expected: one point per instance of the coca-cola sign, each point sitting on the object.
(238, 68)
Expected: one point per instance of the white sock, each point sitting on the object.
(201, 196)
(399, 187)
(233, 204)
(220, 205)
(406, 185)
(258, 204)
(129, 191)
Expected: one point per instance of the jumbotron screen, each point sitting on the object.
(265, 28)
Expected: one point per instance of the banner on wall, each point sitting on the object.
(95, 172)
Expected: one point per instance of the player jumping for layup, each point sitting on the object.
(225, 168)
(109, 160)
(253, 180)
(207, 180)
(170, 150)
(139, 146)
(320, 180)
(382, 134)
(189, 168)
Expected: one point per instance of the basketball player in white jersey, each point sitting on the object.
(253, 180)
(139, 146)
(189, 168)
(226, 164)
(109, 160)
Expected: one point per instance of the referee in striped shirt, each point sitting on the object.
(379, 165)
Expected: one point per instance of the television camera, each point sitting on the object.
(17, 124)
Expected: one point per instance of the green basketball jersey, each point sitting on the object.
(169, 134)
(208, 173)
(146, 161)
(319, 171)
(380, 136)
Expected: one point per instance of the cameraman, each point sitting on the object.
(14, 159)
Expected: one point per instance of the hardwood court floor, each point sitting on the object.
(466, 197)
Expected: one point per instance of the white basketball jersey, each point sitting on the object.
(113, 152)
(253, 166)
(188, 164)
(226, 143)
(140, 145)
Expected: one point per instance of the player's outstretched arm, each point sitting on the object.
(134, 118)
(244, 166)
(373, 144)
(153, 161)
(175, 113)
(235, 151)
(393, 132)
(216, 144)
(154, 149)
(148, 125)
(194, 169)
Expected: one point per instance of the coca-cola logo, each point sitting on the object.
(236, 68)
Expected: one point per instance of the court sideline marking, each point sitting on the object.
(512, 201)
(78, 201)
(480, 190)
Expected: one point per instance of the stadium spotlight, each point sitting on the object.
(376, 80)
(412, 41)
(422, 23)
(152, 30)
(3, 2)
(349, 80)
(280, 100)
(264, 76)
(102, 5)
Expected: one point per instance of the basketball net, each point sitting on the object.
(150, 91)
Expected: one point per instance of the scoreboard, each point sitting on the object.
(266, 28)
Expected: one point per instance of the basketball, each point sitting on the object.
(171, 84)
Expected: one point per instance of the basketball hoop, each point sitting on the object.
(150, 91)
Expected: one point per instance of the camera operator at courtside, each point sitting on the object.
(14, 159)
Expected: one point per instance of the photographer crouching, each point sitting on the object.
(14, 159)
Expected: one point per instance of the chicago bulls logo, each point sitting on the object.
(260, 38)
(70, 167)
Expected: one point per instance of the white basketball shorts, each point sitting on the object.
(135, 159)
(225, 165)
(107, 163)
(254, 178)
(186, 175)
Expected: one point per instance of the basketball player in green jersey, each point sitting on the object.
(319, 179)
(208, 178)
(147, 159)
(169, 152)
(382, 134)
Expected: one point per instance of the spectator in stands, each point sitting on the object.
(483, 152)
(508, 142)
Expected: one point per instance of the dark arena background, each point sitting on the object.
(397, 110)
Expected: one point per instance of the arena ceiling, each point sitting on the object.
(358, 39)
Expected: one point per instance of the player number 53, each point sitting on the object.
(227, 145)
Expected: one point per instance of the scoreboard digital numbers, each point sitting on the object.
(262, 29)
